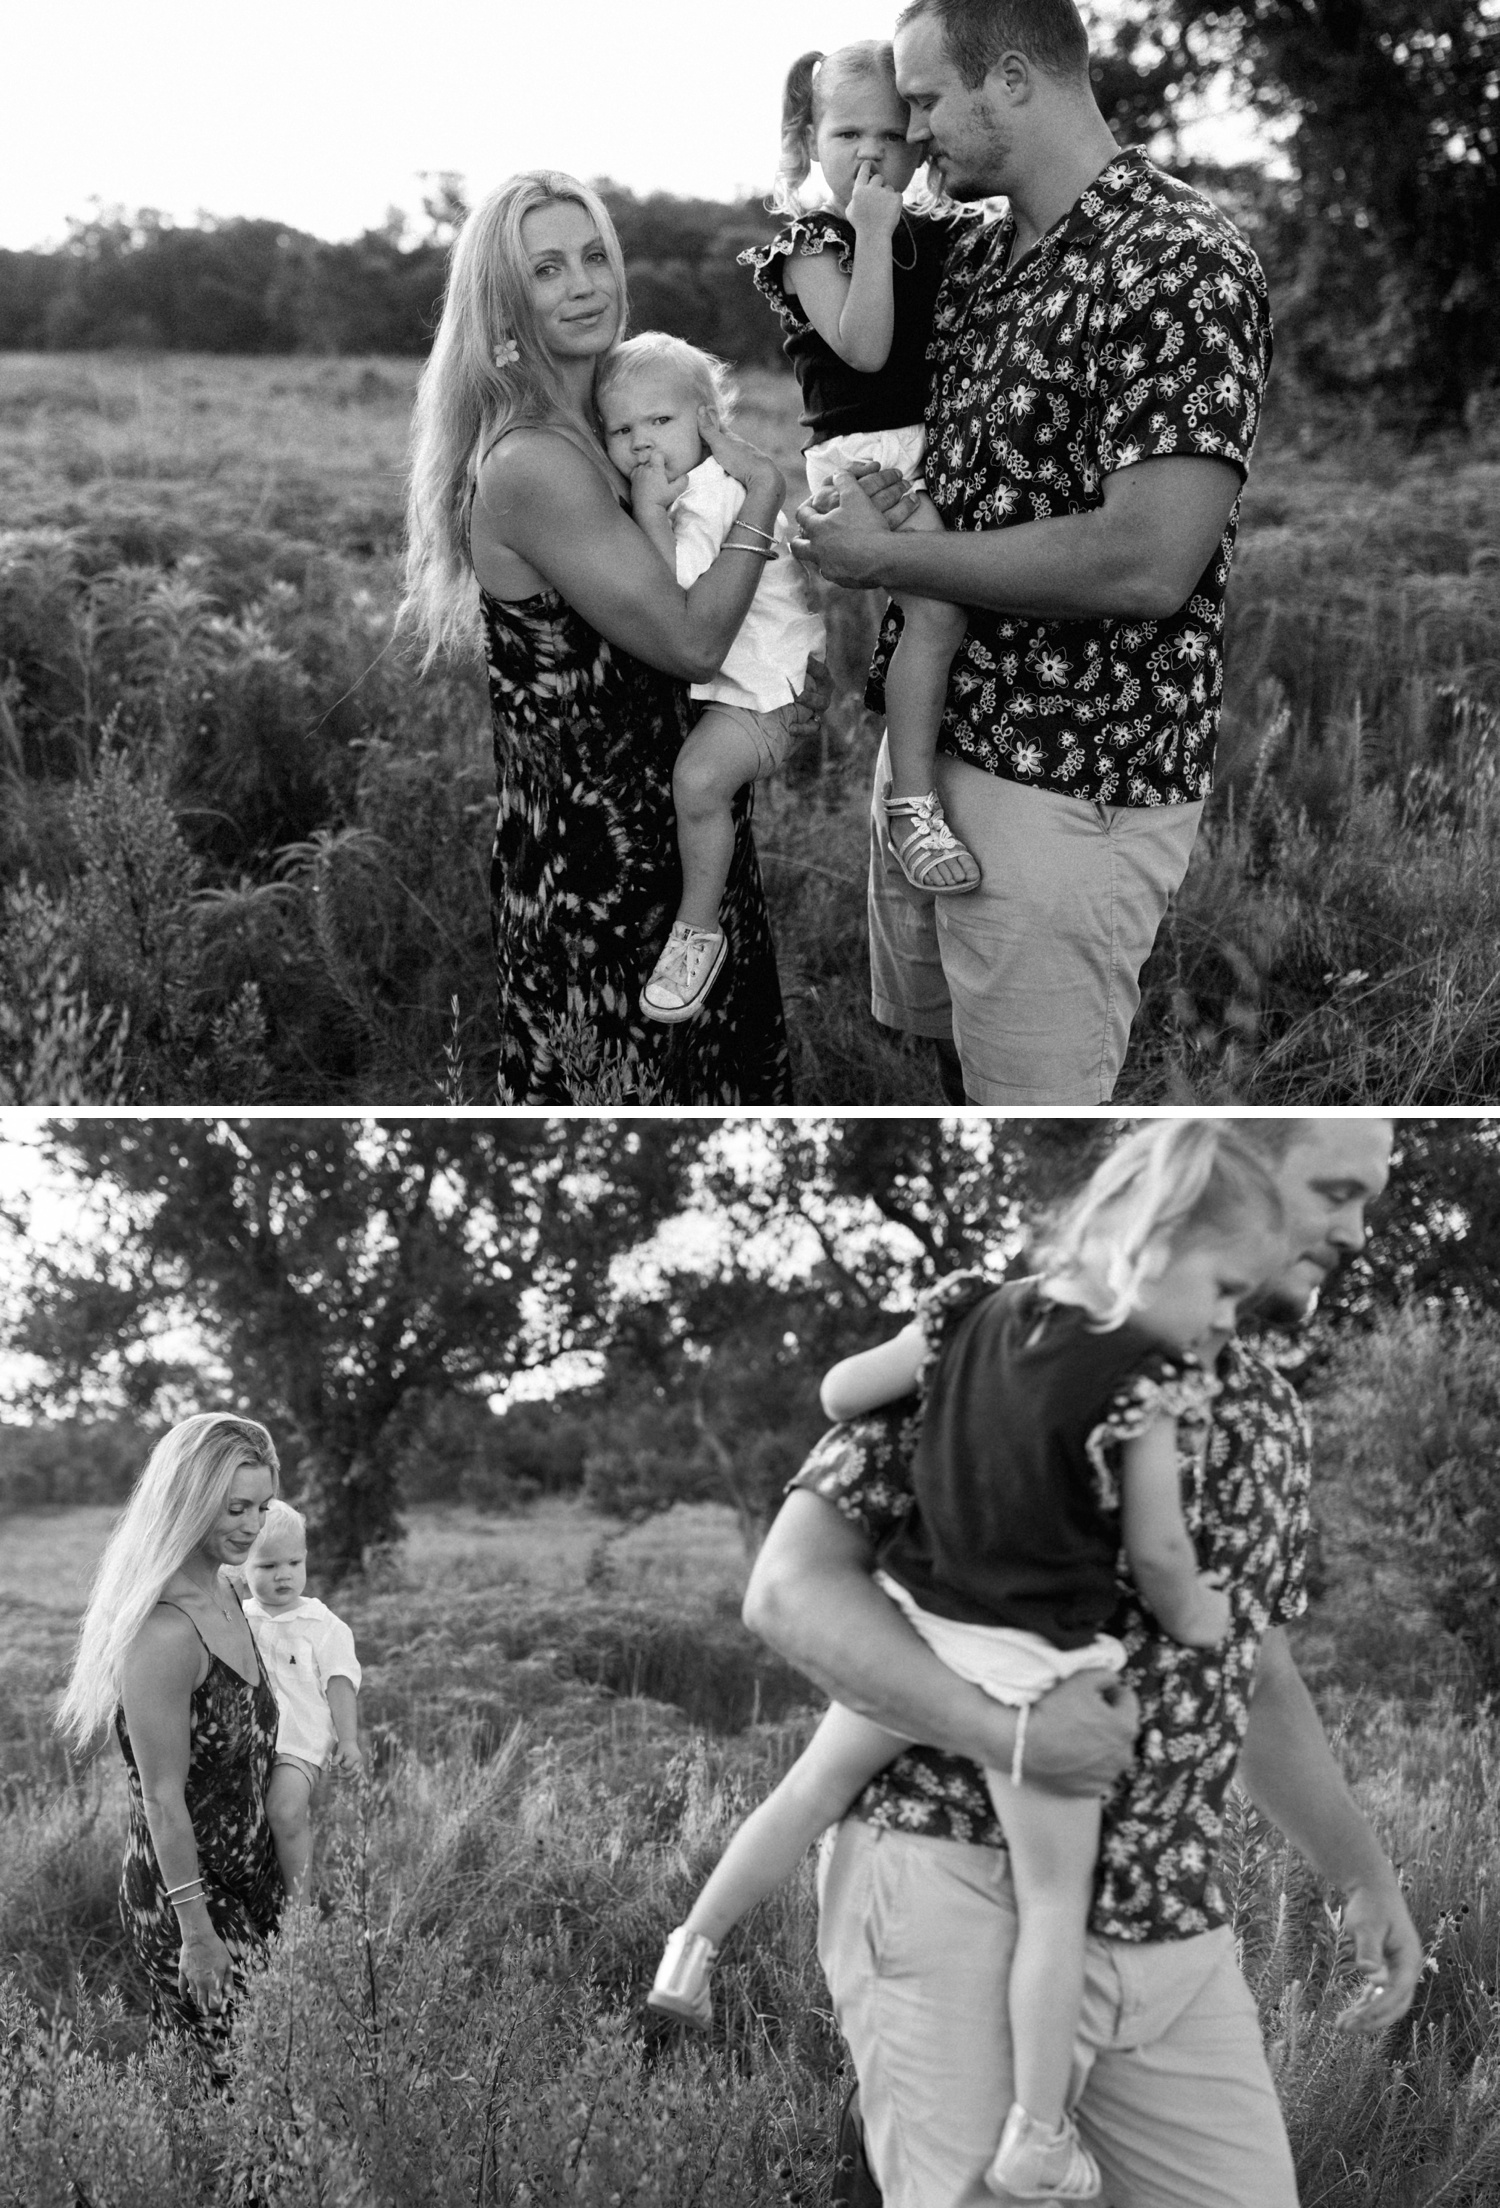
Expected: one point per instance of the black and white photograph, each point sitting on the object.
(624, 1659)
(670, 558)
(750, 1105)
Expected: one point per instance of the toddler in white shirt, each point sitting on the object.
(309, 1658)
(651, 393)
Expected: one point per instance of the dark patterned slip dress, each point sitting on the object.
(231, 1742)
(585, 882)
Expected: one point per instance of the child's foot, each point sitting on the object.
(680, 1987)
(1033, 2163)
(930, 854)
(684, 974)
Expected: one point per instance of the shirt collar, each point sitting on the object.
(1082, 218)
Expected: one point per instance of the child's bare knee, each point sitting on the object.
(288, 1806)
(701, 780)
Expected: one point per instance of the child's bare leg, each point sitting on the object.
(718, 758)
(843, 1755)
(288, 1799)
(916, 688)
(1054, 1844)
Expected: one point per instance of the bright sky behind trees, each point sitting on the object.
(323, 113)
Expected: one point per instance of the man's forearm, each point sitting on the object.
(812, 1598)
(1138, 555)
(850, 1640)
(1074, 567)
(1287, 1769)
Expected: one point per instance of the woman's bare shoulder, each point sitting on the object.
(535, 459)
(167, 1645)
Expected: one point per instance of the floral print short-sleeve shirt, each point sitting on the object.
(1138, 328)
(1245, 1499)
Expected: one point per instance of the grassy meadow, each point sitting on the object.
(242, 847)
(566, 1720)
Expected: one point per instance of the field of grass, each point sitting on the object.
(567, 1719)
(242, 848)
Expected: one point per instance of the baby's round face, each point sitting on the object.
(653, 411)
(278, 1572)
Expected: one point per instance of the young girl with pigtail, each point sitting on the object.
(1062, 1418)
(855, 286)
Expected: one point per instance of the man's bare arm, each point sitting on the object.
(1139, 555)
(1287, 1768)
(812, 1597)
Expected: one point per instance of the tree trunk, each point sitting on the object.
(349, 1501)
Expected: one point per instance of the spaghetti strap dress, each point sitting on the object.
(585, 881)
(231, 1743)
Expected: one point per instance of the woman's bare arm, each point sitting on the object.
(165, 1664)
(542, 498)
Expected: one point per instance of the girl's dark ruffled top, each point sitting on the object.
(838, 399)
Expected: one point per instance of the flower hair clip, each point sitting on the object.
(506, 353)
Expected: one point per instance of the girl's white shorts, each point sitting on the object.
(1014, 1666)
(888, 448)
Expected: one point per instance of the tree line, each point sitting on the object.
(140, 281)
(1379, 224)
(369, 1287)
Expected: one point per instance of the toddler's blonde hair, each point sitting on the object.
(710, 378)
(280, 1518)
(1172, 1183)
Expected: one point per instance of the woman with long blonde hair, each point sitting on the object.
(165, 1653)
(520, 540)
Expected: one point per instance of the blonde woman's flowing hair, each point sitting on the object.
(173, 1504)
(472, 391)
(1165, 1186)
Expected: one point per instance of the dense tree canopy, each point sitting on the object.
(338, 1268)
(353, 1278)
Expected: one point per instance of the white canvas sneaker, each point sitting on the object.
(685, 972)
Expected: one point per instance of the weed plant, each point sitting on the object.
(243, 849)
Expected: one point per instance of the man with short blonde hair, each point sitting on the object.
(1172, 2093)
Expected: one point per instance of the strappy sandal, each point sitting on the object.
(931, 842)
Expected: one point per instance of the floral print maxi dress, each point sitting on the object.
(585, 882)
(231, 1742)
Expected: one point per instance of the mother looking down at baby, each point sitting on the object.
(590, 642)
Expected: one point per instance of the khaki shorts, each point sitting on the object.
(1035, 975)
(312, 1772)
(1170, 2085)
(771, 733)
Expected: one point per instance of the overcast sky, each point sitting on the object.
(324, 113)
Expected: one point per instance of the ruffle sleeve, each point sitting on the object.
(939, 1310)
(1161, 1386)
(815, 232)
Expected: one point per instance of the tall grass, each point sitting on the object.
(562, 1746)
(243, 850)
